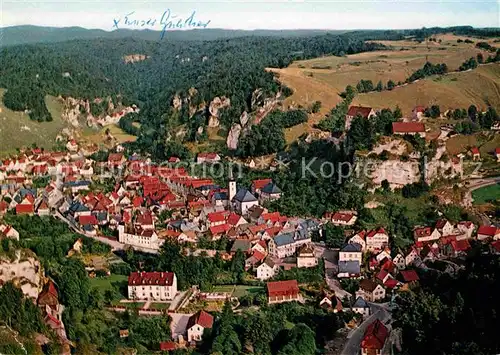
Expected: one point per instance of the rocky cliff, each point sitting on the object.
(134, 58)
(215, 105)
(24, 270)
(77, 112)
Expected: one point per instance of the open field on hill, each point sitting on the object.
(485, 142)
(99, 136)
(461, 89)
(17, 130)
(324, 78)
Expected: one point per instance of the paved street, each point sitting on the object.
(115, 245)
(352, 346)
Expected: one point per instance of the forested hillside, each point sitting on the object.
(95, 68)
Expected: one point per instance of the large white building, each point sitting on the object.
(243, 200)
(286, 244)
(157, 285)
(140, 238)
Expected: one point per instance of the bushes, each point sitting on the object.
(470, 63)
(427, 70)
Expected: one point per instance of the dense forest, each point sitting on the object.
(95, 68)
(453, 314)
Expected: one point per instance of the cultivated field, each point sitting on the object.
(324, 78)
(17, 130)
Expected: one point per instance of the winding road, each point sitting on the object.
(352, 346)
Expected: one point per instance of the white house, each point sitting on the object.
(9, 231)
(351, 252)
(399, 261)
(286, 244)
(444, 227)
(267, 270)
(142, 238)
(270, 192)
(485, 232)
(377, 239)
(344, 218)
(370, 290)
(305, 257)
(359, 238)
(160, 286)
(361, 307)
(243, 201)
(197, 324)
(466, 228)
(426, 234)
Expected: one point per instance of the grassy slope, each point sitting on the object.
(18, 130)
(479, 87)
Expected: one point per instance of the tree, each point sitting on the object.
(390, 85)
(433, 111)
(480, 58)
(360, 135)
(385, 185)
(472, 112)
(316, 106)
(299, 341)
(380, 86)
(398, 113)
(334, 235)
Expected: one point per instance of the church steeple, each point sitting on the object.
(232, 186)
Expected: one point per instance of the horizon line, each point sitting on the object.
(247, 30)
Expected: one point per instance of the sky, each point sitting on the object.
(255, 14)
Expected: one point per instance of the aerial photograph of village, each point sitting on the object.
(249, 177)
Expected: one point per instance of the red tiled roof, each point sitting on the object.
(497, 151)
(460, 245)
(346, 217)
(20, 209)
(474, 150)
(167, 346)
(258, 255)
(282, 288)
(488, 230)
(382, 275)
(422, 232)
(3, 206)
(375, 336)
(390, 283)
(271, 217)
(210, 155)
(260, 183)
(220, 229)
(115, 157)
(233, 219)
(408, 127)
(496, 245)
(145, 218)
(151, 278)
(216, 217)
(375, 231)
(358, 110)
(409, 275)
(84, 220)
(202, 318)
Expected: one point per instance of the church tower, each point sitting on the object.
(232, 186)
